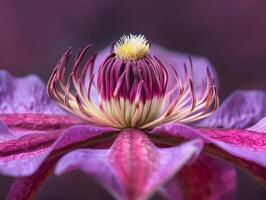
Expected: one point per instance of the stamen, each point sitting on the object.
(131, 88)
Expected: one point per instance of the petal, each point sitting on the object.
(25, 188)
(133, 168)
(248, 145)
(25, 95)
(177, 59)
(240, 110)
(172, 190)
(25, 107)
(245, 148)
(15, 125)
(101, 56)
(208, 179)
(260, 126)
(23, 156)
(5, 133)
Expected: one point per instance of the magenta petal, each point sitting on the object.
(133, 168)
(23, 156)
(25, 95)
(240, 110)
(245, 144)
(245, 148)
(16, 125)
(208, 179)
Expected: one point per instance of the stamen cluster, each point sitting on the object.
(130, 93)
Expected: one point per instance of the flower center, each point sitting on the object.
(132, 47)
(131, 89)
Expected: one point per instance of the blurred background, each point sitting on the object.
(231, 34)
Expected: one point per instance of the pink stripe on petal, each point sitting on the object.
(38, 122)
(133, 168)
(248, 145)
(13, 126)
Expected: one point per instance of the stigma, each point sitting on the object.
(131, 47)
(130, 88)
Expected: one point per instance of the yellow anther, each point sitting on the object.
(131, 47)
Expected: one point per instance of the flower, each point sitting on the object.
(127, 128)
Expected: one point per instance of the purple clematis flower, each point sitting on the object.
(127, 129)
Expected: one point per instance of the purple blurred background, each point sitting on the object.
(231, 34)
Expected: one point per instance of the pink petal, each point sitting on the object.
(133, 168)
(25, 188)
(25, 95)
(243, 147)
(23, 156)
(240, 110)
(208, 179)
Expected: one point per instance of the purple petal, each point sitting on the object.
(101, 56)
(23, 156)
(25, 188)
(260, 126)
(133, 168)
(25, 95)
(239, 110)
(177, 59)
(233, 145)
(208, 179)
(5, 133)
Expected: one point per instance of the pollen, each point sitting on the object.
(131, 47)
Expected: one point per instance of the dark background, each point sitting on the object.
(230, 33)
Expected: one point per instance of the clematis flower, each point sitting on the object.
(140, 120)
